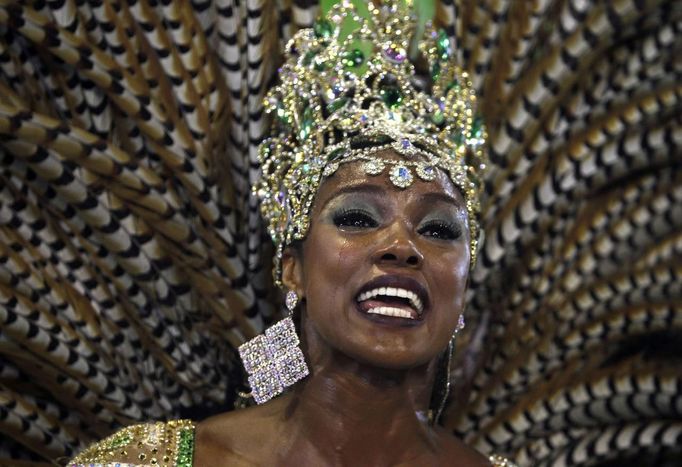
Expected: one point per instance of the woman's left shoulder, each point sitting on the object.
(162, 443)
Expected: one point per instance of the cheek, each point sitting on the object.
(451, 279)
(329, 265)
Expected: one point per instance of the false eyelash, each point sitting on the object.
(454, 230)
(339, 217)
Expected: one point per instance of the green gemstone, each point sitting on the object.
(336, 154)
(308, 57)
(306, 124)
(438, 118)
(354, 58)
(477, 127)
(458, 138)
(282, 114)
(337, 104)
(453, 85)
(185, 449)
(392, 97)
(435, 71)
(120, 441)
(443, 45)
(320, 65)
(323, 28)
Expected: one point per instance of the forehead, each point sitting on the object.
(351, 175)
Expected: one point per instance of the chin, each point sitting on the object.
(389, 359)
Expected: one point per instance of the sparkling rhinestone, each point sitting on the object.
(401, 176)
(291, 366)
(405, 143)
(254, 354)
(395, 54)
(330, 169)
(281, 336)
(426, 172)
(373, 167)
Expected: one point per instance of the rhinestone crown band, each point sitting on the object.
(349, 90)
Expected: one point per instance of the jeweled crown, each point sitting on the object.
(358, 83)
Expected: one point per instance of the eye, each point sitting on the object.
(440, 230)
(355, 219)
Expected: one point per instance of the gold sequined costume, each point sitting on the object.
(168, 444)
(133, 261)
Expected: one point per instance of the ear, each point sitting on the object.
(292, 270)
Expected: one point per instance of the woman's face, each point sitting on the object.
(383, 270)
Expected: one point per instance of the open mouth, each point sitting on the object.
(404, 298)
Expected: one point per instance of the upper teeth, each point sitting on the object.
(415, 302)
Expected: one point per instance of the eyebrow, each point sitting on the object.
(442, 197)
(355, 188)
(378, 190)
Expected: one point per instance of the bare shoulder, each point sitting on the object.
(148, 443)
(456, 452)
(237, 438)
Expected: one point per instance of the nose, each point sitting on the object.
(398, 248)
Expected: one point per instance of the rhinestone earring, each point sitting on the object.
(450, 351)
(273, 360)
(460, 324)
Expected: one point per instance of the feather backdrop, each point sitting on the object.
(133, 260)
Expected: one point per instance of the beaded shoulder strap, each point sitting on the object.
(169, 444)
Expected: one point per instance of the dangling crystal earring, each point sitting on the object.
(273, 360)
(460, 325)
(450, 351)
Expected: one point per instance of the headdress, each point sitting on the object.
(348, 90)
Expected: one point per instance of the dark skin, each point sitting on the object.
(366, 400)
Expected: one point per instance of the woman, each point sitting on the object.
(370, 191)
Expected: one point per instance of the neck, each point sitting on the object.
(352, 413)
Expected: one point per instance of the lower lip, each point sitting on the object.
(389, 320)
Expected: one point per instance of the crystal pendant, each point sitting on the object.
(401, 176)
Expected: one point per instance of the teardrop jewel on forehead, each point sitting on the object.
(350, 91)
